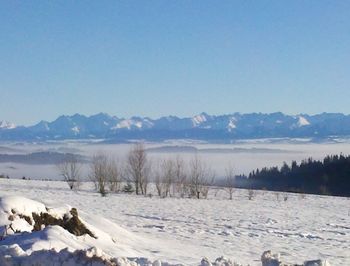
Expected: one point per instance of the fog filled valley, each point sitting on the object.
(39, 160)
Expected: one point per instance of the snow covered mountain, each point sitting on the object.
(6, 125)
(202, 126)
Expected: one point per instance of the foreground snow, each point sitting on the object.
(176, 231)
(23, 244)
(14, 255)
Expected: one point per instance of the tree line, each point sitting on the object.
(172, 177)
(330, 176)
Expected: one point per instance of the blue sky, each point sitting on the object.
(154, 58)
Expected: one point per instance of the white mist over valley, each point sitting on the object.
(243, 155)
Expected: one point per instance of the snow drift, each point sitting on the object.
(35, 234)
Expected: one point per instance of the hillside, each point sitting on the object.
(179, 230)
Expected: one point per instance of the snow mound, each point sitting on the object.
(14, 255)
(34, 234)
(18, 215)
(20, 205)
(270, 259)
(222, 261)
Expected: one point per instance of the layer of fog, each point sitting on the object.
(244, 156)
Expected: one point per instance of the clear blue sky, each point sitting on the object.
(155, 58)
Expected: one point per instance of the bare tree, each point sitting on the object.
(168, 167)
(158, 180)
(114, 175)
(70, 171)
(138, 168)
(208, 182)
(180, 176)
(164, 178)
(99, 172)
(229, 180)
(201, 178)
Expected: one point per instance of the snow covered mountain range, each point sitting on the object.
(6, 125)
(201, 127)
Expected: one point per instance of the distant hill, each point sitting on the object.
(201, 127)
(40, 158)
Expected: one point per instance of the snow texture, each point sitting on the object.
(173, 231)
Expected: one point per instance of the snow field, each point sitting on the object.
(183, 231)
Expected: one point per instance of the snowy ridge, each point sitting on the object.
(133, 123)
(199, 119)
(302, 121)
(201, 127)
(127, 123)
(7, 125)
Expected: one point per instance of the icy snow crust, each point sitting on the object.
(177, 231)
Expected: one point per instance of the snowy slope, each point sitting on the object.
(302, 121)
(185, 230)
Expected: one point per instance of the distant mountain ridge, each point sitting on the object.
(6, 125)
(202, 127)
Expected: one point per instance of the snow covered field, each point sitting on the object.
(186, 230)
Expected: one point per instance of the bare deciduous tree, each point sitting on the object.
(181, 184)
(138, 168)
(70, 171)
(158, 180)
(114, 175)
(168, 167)
(229, 180)
(99, 172)
(164, 178)
(201, 178)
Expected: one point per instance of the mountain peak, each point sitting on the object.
(7, 125)
(302, 121)
(100, 116)
(202, 126)
(200, 118)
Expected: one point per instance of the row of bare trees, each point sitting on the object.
(105, 171)
(172, 177)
